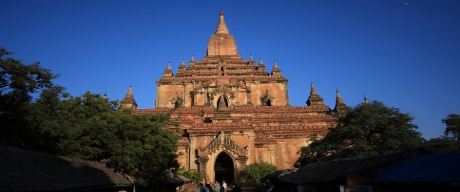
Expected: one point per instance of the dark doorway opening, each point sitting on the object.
(224, 169)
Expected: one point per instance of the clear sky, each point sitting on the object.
(405, 53)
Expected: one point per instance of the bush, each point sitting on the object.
(257, 171)
(194, 176)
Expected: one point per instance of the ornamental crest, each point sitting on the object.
(267, 98)
(224, 141)
(223, 91)
(176, 101)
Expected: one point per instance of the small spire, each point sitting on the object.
(128, 101)
(260, 62)
(313, 90)
(314, 98)
(221, 27)
(366, 102)
(192, 61)
(105, 94)
(340, 106)
(338, 99)
(276, 71)
(275, 67)
(250, 58)
(182, 66)
(168, 72)
(130, 92)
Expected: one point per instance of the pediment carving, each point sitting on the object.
(267, 98)
(223, 91)
(224, 141)
(176, 101)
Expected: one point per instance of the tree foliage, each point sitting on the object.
(451, 138)
(87, 127)
(90, 127)
(194, 176)
(18, 83)
(257, 171)
(452, 126)
(367, 129)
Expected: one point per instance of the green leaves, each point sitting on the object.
(452, 126)
(257, 171)
(365, 130)
(451, 138)
(139, 145)
(18, 82)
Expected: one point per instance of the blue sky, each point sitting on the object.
(405, 53)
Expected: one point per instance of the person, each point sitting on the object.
(203, 188)
(224, 186)
(216, 187)
(208, 186)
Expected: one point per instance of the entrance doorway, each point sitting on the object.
(224, 169)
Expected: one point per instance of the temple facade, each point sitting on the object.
(234, 112)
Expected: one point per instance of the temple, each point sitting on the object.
(233, 112)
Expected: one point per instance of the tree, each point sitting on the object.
(257, 171)
(451, 138)
(92, 128)
(452, 126)
(194, 176)
(366, 130)
(18, 83)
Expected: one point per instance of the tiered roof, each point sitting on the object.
(221, 61)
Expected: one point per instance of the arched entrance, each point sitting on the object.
(224, 169)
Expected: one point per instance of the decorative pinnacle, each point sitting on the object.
(313, 90)
(338, 98)
(221, 27)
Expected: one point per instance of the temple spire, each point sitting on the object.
(221, 27)
(314, 98)
(105, 94)
(128, 102)
(340, 106)
(261, 64)
(366, 102)
(276, 71)
(192, 61)
(222, 42)
(338, 99)
(130, 92)
(313, 90)
(168, 71)
(182, 66)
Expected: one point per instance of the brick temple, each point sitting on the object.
(234, 112)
